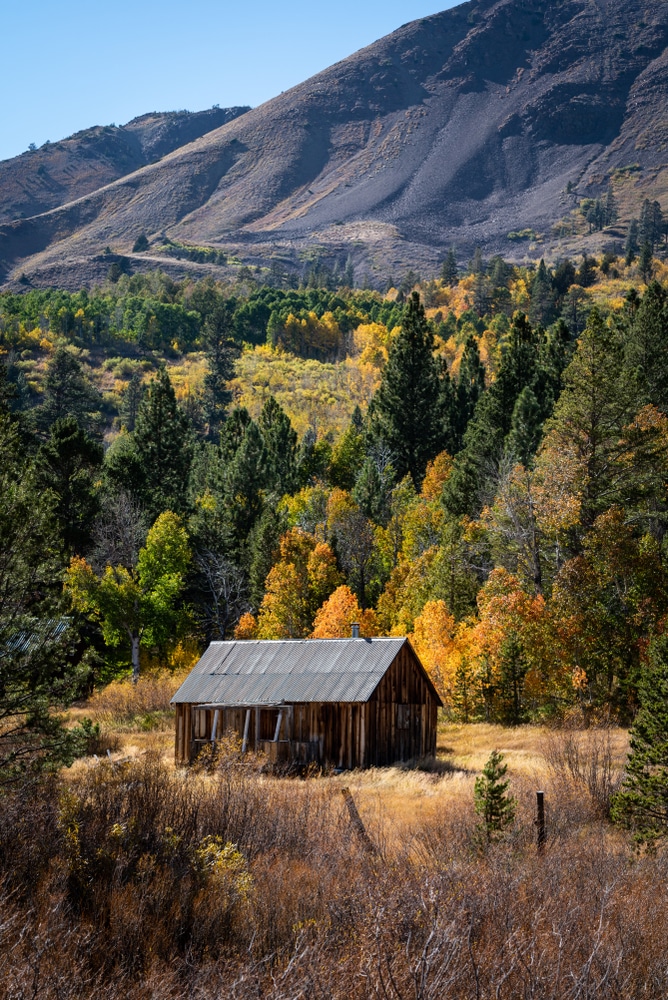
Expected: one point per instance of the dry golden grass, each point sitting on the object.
(123, 702)
(108, 885)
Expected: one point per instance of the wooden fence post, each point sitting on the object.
(358, 825)
(541, 836)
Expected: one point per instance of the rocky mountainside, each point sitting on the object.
(484, 125)
(58, 172)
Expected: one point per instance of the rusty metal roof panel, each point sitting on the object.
(251, 673)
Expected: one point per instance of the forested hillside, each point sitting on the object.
(479, 462)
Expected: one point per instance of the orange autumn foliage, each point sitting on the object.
(247, 627)
(339, 612)
(305, 575)
(433, 639)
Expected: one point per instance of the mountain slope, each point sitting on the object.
(491, 118)
(58, 172)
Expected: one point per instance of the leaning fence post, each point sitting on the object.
(541, 835)
(358, 825)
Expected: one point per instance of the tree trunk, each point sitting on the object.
(134, 639)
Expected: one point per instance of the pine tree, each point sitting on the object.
(280, 445)
(372, 491)
(611, 213)
(542, 300)
(164, 446)
(132, 398)
(525, 432)
(646, 348)
(263, 546)
(449, 268)
(245, 482)
(220, 357)
(642, 803)
(41, 675)
(590, 416)
(233, 432)
(470, 387)
(631, 245)
(312, 459)
(469, 485)
(477, 265)
(651, 223)
(68, 463)
(464, 694)
(646, 262)
(492, 802)
(67, 392)
(586, 274)
(513, 670)
(405, 410)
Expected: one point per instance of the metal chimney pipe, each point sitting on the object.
(355, 630)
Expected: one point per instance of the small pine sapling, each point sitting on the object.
(492, 802)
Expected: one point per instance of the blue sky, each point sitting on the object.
(71, 64)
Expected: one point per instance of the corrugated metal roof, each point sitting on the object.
(34, 634)
(268, 672)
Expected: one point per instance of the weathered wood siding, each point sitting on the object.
(398, 723)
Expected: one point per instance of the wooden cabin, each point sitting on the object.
(345, 703)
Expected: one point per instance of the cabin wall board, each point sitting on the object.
(397, 723)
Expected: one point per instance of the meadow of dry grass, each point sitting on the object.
(131, 878)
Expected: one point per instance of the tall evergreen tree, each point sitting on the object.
(348, 455)
(372, 490)
(245, 481)
(220, 356)
(164, 446)
(589, 418)
(263, 550)
(470, 387)
(586, 273)
(132, 398)
(646, 348)
(542, 300)
(233, 433)
(405, 410)
(611, 213)
(525, 431)
(631, 245)
(473, 473)
(39, 675)
(642, 803)
(449, 268)
(69, 463)
(67, 392)
(651, 224)
(646, 262)
(280, 445)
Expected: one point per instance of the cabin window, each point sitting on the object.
(403, 716)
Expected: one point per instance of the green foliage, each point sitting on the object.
(406, 414)
(141, 244)
(642, 803)
(137, 606)
(280, 448)
(493, 804)
(67, 392)
(163, 444)
(68, 464)
(38, 672)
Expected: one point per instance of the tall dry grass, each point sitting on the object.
(143, 705)
(137, 880)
